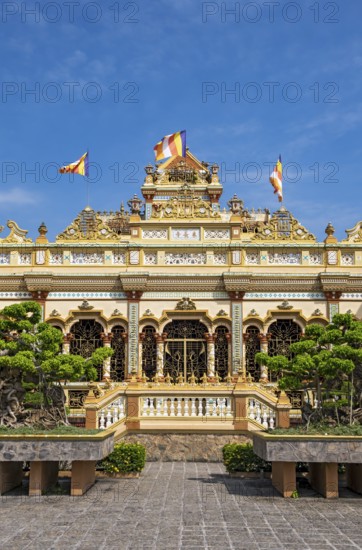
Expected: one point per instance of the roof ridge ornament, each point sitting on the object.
(88, 226)
(283, 226)
(16, 234)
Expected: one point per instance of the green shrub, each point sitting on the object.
(240, 457)
(125, 458)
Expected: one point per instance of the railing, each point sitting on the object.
(139, 406)
(112, 413)
(261, 413)
(186, 407)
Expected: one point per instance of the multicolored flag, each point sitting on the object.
(78, 167)
(276, 179)
(171, 146)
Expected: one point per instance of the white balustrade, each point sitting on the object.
(261, 413)
(186, 407)
(112, 413)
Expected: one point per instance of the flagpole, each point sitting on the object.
(86, 177)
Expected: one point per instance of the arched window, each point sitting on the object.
(149, 351)
(283, 332)
(185, 349)
(221, 351)
(86, 339)
(118, 359)
(252, 347)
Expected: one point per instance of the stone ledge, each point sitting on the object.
(30, 449)
(341, 449)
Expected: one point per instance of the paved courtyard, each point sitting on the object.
(180, 505)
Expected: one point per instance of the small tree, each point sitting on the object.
(327, 360)
(30, 352)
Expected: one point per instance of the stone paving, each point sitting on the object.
(176, 505)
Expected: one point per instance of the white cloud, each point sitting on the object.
(17, 196)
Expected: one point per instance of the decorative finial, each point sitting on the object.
(43, 230)
(330, 234)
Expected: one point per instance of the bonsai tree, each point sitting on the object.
(327, 360)
(30, 353)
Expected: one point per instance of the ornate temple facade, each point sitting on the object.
(180, 287)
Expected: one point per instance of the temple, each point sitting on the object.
(181, 288)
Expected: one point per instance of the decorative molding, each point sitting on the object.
(178, 295)
(85, 305)
(10, 295)
(55, 313)
(88, 226)
(220, 258)
(236, 339)
(4, 258)
(285, 306)
(191, 258)
(351, 296)
(285, 295)
(222, 313)
(216, 234)
(154, 233)
(93, 295)
(185, 304)
(16, 234)
(119, 258)
(150, 258)
(317, 313)
(56, 258)
(287, 258)
(86, 258)
(347, 258)
(24, 258)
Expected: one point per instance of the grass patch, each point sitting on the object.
(60, 430)
(319, 429)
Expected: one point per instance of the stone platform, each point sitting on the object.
(44, 452)
(322, 453)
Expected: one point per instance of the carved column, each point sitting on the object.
(66, 343)
(210, 341)
(107, 338)
(160, 341)
(333, 297)
(228, 338)
(133, 297)
(264, 338)
(141, 338)
(40, 296)
(236, 298)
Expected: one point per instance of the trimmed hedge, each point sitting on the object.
(125, 458)
(240, 457)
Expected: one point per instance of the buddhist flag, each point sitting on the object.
(171, 146)
(78, 167)
(276, 179)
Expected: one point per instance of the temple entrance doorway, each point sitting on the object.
(185, 349)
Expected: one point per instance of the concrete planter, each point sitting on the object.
(44, 452)
(323, 454)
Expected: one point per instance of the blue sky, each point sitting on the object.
(141, 70)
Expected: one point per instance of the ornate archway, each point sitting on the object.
(86, 339)
(149, 351)
(252, 347)
(222, 351)
(283, 332)
(118, 359)
(185, 349)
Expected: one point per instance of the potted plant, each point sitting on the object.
(126, 460)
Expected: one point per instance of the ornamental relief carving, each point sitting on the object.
(354, 235)
(16, 234)
(186, 205)
(282, 226)
(87, 226)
